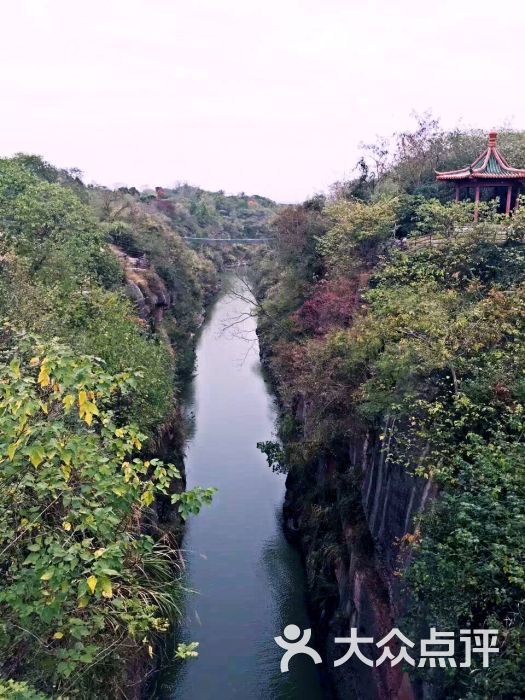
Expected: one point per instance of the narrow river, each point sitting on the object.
(248, 580)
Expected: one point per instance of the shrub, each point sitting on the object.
(84, 589)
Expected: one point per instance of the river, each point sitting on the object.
(248, 580)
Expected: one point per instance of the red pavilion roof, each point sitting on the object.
(490, 165)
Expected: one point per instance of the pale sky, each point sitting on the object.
(270, 97)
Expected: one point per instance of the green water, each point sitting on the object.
(248, 578)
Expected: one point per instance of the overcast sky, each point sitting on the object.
(268, 97)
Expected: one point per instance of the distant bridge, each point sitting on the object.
(197, 239)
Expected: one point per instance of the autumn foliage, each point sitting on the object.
(331, 305)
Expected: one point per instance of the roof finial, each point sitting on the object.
(492, 138)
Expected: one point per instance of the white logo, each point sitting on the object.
(437, 650)
(294, 645)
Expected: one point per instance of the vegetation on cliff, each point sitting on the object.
(361, 325)
(201, 214)
(88, 384)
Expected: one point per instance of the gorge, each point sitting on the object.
(247, 577)
(388, 321)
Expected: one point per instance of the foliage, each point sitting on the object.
(187, 651)
(275, 455)
(90, 579)
(62, 279)
(517, 222)
(284, 276)
(84, 588)
(332, 304)
(358, 231)
(197, 213)
(190, 502)
(298, 227)
(48, 224)
(19, 691)
(434, 218)
(190, 281)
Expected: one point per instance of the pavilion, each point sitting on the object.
(490, 169)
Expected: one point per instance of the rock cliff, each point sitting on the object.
(351, 515)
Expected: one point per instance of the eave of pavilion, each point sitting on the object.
(487, 182)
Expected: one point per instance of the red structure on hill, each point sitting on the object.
(490, 169)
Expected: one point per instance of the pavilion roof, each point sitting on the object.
(490, 165)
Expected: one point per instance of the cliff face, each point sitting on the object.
(152, 299)
(354, 581)
(144, 287)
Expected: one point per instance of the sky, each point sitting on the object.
(268, 97)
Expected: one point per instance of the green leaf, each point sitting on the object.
(36, 455)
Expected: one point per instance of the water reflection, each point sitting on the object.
(284, 573)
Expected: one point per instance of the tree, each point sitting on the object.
(358, 232)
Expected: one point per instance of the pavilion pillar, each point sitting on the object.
(509, 199)
(457, 192)
(476, 204)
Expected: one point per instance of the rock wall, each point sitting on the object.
(144, 287)
(372, 503)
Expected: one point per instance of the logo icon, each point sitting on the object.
(294, 644)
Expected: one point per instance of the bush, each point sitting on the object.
(84, 589)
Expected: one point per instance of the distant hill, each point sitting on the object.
(197, 213)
